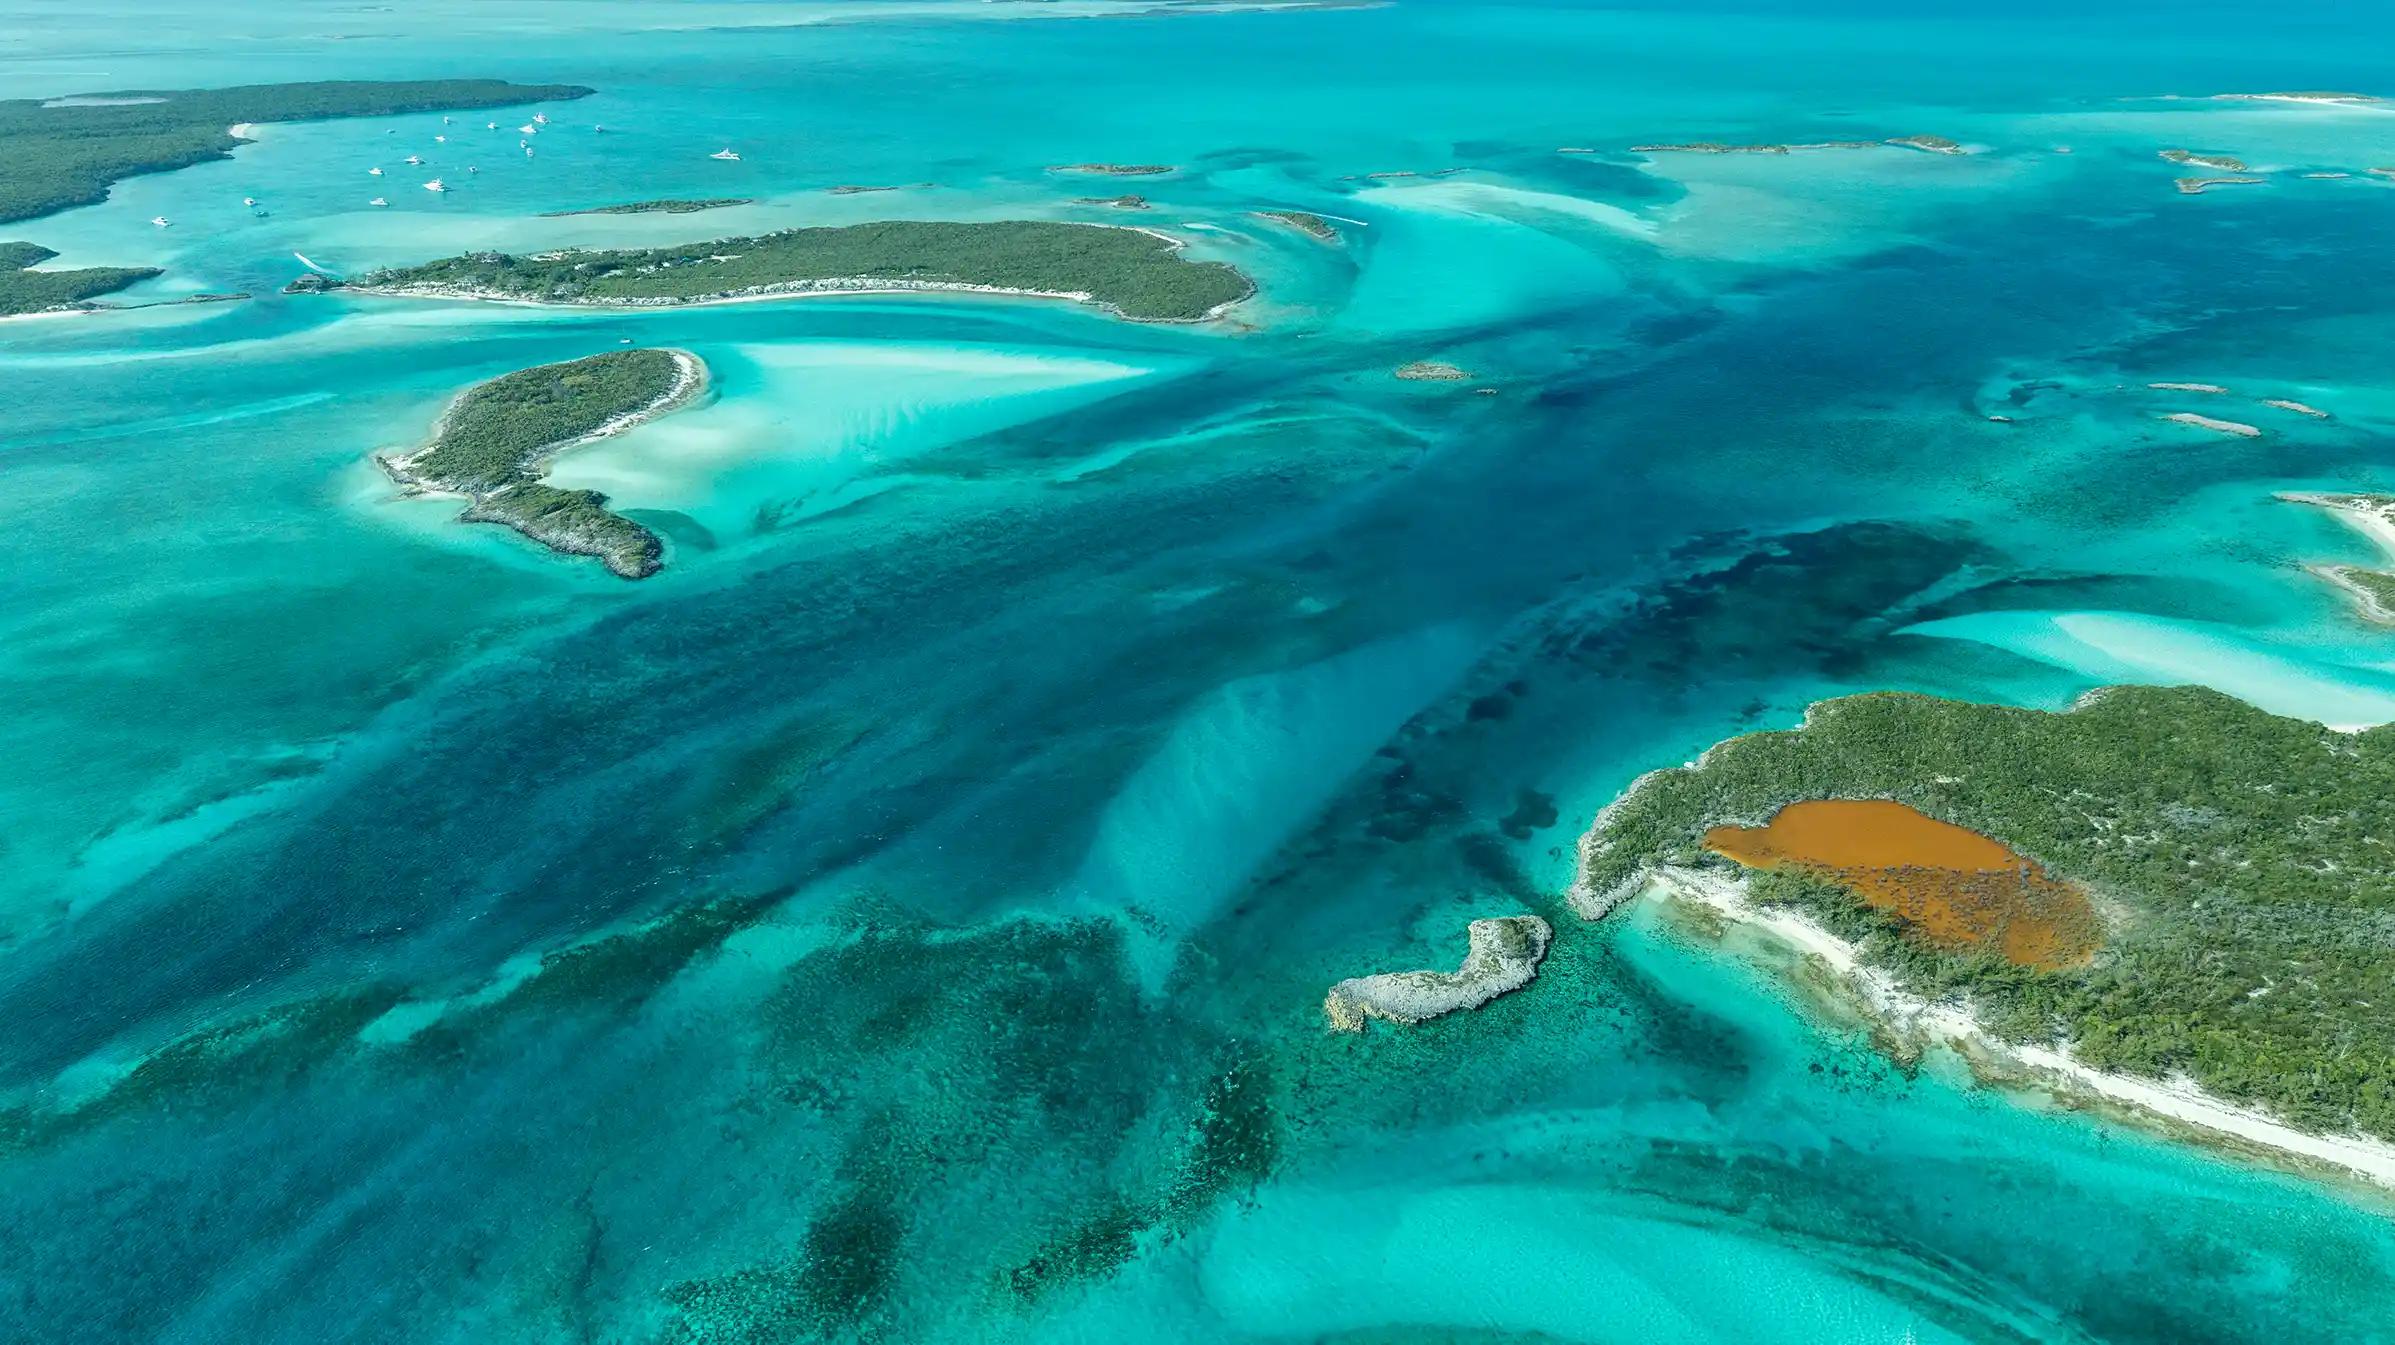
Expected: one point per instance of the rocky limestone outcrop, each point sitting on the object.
(1504, 956)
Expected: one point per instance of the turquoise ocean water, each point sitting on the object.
(906, 917)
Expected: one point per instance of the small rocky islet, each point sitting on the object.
(1502, 956)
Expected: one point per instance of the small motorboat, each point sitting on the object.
(435, 185)
(160, 220)
(414, 161)
(374, 172)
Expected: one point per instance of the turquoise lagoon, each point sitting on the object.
(906, 917)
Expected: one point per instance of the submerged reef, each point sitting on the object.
(957, 1060)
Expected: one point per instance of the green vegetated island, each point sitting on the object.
(493, 445)
(667, 206)
(1927, 144)
(1305, 222)
(2241, 867)
(65, 152)
(23, 290)
(1136, 273)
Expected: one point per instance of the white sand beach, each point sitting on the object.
(2004, 1063)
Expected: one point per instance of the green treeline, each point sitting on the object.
(1141, 275)
(2244, 864)
(492, 440)
(28, 291)
(68, 154)
(495, 434)
(668, 206)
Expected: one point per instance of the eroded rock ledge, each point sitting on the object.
(1504, 956)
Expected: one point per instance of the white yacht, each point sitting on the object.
(378, 201)
(249, 200)
(540, 118)
(160, 220)
(413, 160)
(374, 172)
(724, 153)
(434, 185)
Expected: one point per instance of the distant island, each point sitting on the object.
(1311, 225)
(1117, 202)
(1136, 273)
(664, 207)
(2197, 186)
(25, 291)
(1502, 957)
(2223, 162)
(1431, 371)
(1927, 144)
(66, 152)
(2373, 516)
(493, 444)
(1114, 169)
(2214, 424)
(2160, 884)
(2338, 99)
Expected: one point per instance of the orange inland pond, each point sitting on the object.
(1948, 884)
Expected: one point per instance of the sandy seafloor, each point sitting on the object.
(1038, 711)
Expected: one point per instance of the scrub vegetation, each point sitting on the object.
(67, 152)
(2244, 865)
(1137, 274)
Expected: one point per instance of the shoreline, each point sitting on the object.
(819, 287)
(2371, 523)
(830, 288)
(2175, 1109)
(690, 381)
